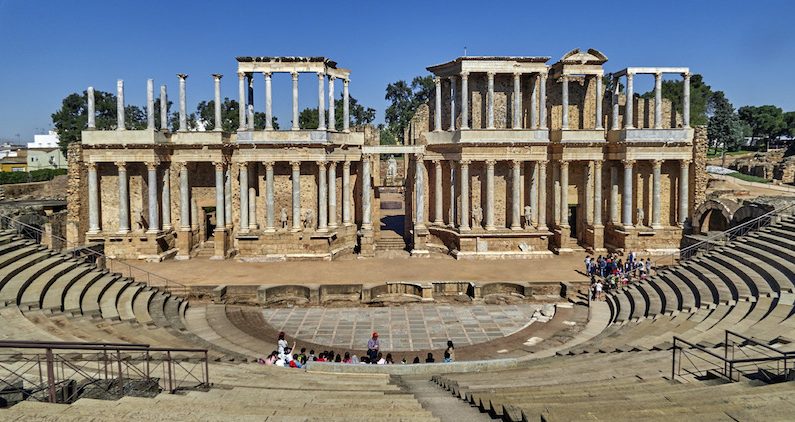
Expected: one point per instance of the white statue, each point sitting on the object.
(477, 216)
(641, 216)
(283, 218)
(391, 168)
(528, 216)
(309, 219)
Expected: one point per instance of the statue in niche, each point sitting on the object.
(283, 218)
(309, 219)
(477, 216)
(391, 168)
(528, 216)
(640, 216)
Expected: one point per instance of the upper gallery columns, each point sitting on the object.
(658, 72)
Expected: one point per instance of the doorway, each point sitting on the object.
(209, 222)
(573, 221)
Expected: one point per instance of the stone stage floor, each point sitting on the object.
(402, 328)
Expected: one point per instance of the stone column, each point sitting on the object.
(614, 195)
(166, 197)
(219, 124)
(150, 104)
(183, 113)
(516, 196)
(465, 102)
(542, 108)
(250, 104)
(419, 191)
(321, 101)
(220, 221)
(270, 223)
(614, 99)
(92, 113)
(332, 195)
(241, 92)
(490, 101)
(464, 226)
(542, 195)
(194, 214)
(366, 192)
(626, 198)
(332, 119)
(163, 108)
(684, 194)
(268, 102)
(599, 116)
(243, 176)
(438, 195)
(658, 100)
(556, 195)
(588, 181)
(252, 197)
(656, 204)
(628, 111)
(564, 85)
(184, 198)
(93, 199)
(517, 101)
(489, 214)
(120, 105)
(534, 103)
(296, 125)
(597, 193)
(228, 196)
(564, 194)
(322, 197)
(124, 199)
(296, 177)
(686, 100)
(346, 119)
(534, 188)
(346, 193)
(437, 116)
(154, 214)
(451, 217)
(452, 103)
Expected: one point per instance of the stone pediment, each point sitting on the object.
(592, 56)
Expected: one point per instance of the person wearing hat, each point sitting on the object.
(372, 347)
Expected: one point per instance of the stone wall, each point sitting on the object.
(698, 173)
(76, 195)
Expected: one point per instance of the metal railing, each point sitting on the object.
(62, 372)
(92, 256)
(757, 359)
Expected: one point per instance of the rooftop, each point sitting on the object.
(287, 59)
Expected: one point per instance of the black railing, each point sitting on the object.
(62, 372)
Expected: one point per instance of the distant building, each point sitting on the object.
(8, 150)
(45, 153)
(17, 162)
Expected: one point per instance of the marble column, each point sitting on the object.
(542, 107)
(684, 194)
(93, 199)
(564, 194)
(588, 183)
(452, 103)
(438, 194)
(270, 223)
(564, 86)
(346, 114)
(154, 214)
(597, 193)
(614, 195)
(542, 195)
(628, 110)
(517, 101)
(534, 103)
(150, 104)
(465, 102)
(419, 191)
(322, 197)
(92, 113)
(241, 92)
(296, 125)
(686, 100)
(490, 101)
(614, 99)
(220, 222)
(332, 195)
(627, 196)
(243, 197)
(366, 193)
(599, 93)
(163, 108)
(228, 197)
(165, 197)
(219, 124)
(489, 214)
(268, 101)
(556, 195)
(184, 198)
(346, 193)
(124, 199)
(534, 188)
(250, 103)
(253, 177)
(658, 100)
(516, 196)
(332, 119)
(321, 101)
(656, 200)
(120, 105)
(437, 115)
(183, 112)
(451, 217)
(464, 225)
(194, 214)
(296, 177)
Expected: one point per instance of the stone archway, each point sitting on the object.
(715, 215)
(748, 212)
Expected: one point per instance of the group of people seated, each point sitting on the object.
(285, 355)
(611, 272)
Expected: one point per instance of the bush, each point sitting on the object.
(748, 177)
(42, 175)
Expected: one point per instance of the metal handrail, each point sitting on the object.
(77, 249)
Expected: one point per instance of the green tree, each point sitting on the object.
(789, 118)
(230, 116)
(724, 127)
(700, 94)
(359, 115)
(766, 122)
(404, 99)
(72, 117)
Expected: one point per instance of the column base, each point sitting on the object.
(167, 227)
(152, 231)
(516, 228)
(656, 226)
(221, 244)
(94, 232)
(123, 231)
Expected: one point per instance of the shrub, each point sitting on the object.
(42, 175)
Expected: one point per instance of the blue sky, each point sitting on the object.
(49, 49)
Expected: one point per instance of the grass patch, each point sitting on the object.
(717, 154)
(749, 178)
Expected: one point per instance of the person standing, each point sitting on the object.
(373, 345)
(281, 343)
(450, 351)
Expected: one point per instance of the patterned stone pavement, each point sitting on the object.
(402, 328)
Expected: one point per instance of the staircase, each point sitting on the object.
(390, 241)
(206, 250)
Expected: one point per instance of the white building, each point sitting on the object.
(44, 153)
